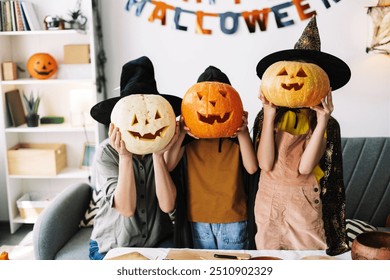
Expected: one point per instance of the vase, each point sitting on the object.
(32, 120)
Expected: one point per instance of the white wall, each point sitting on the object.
(361, 107)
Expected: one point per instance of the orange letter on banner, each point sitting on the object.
(259, 16)
(301, 8)
(199, 24)
(159, 12)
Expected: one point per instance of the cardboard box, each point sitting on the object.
(9, 71)
(76, 54)
(36, 159)
(30, 205)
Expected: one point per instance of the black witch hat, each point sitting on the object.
(137, 78)
(213, 74)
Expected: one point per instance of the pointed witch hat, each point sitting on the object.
(137, 77)
(308, 49)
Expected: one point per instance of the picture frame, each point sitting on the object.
(88, 155)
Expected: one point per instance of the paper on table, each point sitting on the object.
(204, 255)
(129, 256)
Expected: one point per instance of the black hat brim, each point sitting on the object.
(337, 70)
(101, 112)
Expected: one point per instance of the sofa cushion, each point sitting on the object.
(92, 210)
(78, 246)
(356, 227)
(366, 162)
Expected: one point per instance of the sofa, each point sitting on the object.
(366, 160)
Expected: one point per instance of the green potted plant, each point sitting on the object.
(32, 104)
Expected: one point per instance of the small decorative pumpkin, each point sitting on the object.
(212, 110)
(4, 255)
(41, 66)
(295, 84)
(147, 122)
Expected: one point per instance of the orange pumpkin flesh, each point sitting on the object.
(41, 66)
(212, 110)
(4, 256)
(295, 84)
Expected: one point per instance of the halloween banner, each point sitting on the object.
(254, 20)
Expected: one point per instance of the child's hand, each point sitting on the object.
(116, 141)
(244, 126)
(185, 129)
(268, 107)
(325, 109)
(173, 140)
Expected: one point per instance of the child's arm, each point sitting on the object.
(246, 147)
(165, 187)
(125, 194)
(173, 155)
(317, 144)
(266, 149)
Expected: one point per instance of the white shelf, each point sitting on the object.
(69, 93)
(47, 82)
(18, 219)
(65, 127)
(66, 173)
(44, 32)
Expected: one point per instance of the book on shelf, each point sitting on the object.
(25, 22)
(7, 16)
(1, 16)
(13, 16)
(15, 107)
(31, 16)
(18, 16)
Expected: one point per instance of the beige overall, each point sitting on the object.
(288, 208)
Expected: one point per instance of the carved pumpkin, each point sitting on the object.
(146, 121)
(41, 66)
(4, 255)
(212, 110)
(295, 84)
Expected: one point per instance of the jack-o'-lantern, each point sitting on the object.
(212, 110)
(4, 256)
(147, 122)
(295, 84)
(42, 66)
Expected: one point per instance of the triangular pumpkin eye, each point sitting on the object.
(135, 120)
(301, 73)
(199, 95)
(223, 93)
(157, 116)
(282, 72)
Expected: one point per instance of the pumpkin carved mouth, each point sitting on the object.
(148, 136)
(43, 72)
(210, 119)
(295, 86)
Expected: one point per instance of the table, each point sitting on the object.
(161, 253)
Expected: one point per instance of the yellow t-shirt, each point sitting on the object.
(288, 123)
(216, 191)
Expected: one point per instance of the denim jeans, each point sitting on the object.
(226, 236)
(94, 251)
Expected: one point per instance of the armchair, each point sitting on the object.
(57, 234)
